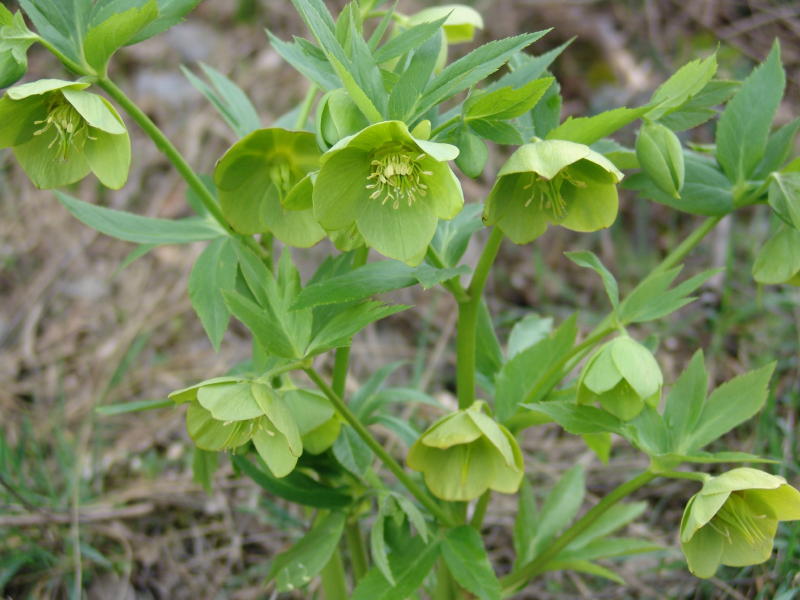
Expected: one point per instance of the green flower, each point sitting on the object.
(553, 181)
(392, 186)
(264, 186)
(227, 412)
(461, 23)
(622, 375)
(733, 519)
(465, 453)
(316, 419)
(59, 133)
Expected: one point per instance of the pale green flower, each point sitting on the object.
(733, 519)
(227, 412)
(391, 186)
(553, 182)
(466, 453)
(59, 133)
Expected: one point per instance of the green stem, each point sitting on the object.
(466, 338)
(342, 361)
(683, 249)
(440, 128)
(480, 509)
(390, 463)
(358, 553)
(452, 285)
(65, 60)
(334, 584)
(519, 577)
(692, 475)
(305, 108)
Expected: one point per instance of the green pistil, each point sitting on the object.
(548, 193)
(396, 176)
(71, 129)
(736, 514)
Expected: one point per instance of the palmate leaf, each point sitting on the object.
(409, 566)
(588, 130)
(466, 557)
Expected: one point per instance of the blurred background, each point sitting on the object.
(107, 504)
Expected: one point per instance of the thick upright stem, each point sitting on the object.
(334, 584)
(390, 463)
(466, 338)
(519, 577)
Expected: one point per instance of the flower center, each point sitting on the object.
(396, 176)
(737, 515)
(548, 193)
(280, 173)
(71, 129)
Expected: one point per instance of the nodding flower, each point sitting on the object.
(733, 519)
(553, 182)
(466, 453)
(391, 186)
(60, 132)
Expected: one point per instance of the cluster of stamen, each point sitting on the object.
(548, 193)
(737, 515)
(396, 176)
(71, 129)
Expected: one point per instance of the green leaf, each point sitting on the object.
(685, 83)
(230, 101)
(527, 332)
(743, 128)
(268, 329)
(453, 236)
(357, 93)
(584, 566)
(588, 130)
(407, 91)
(579, 419)
(170, 12)
(124, 408)
(700, 108)
(296, 567)
(377, 542)
(103, 39)
(609, 547)
(295, 487)
(560, 507)
(778, 261)
(214, 271)
(653, 298)
(525, 68)
(784, 197)
(61, 22)
(466, 557)
(497, 131)
(730, 404)
(408, 40)
(373, 278)
(615, 517)
(308, 60)
(699, 456)
(489, 354)
(410, 566)
(335, 330)
(525, 524)
(685, 401)
(506, 102)
(779, 148)
(590, 261)
(142, 230)
(525, 371)
(352, 452)
(473, 68)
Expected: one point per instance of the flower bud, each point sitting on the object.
(621, 376)
(338, 117)
(733, 519)
(465, 453)
(661, 157)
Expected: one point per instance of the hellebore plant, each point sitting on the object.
(368, 160)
